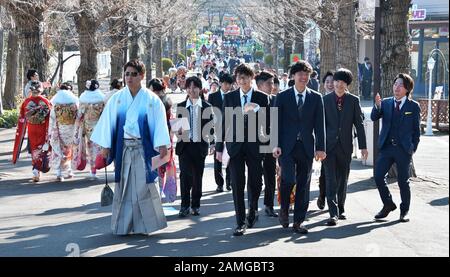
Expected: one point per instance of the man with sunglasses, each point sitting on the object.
(132, 130)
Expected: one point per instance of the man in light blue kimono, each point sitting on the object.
(132, 130)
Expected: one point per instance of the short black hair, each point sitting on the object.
(276, 81)
(291, 83)
(94, 85)
(136, 64)
(156, 84)
(30, 73)
(195, 80)
(226, 78)
(300, 66)
(116, 84)
(263, 76)
(244, 69)
(65, 86)
(343, 74)
(329, 73)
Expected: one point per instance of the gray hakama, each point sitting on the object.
(137, 205)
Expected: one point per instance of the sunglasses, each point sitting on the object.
(132, 74)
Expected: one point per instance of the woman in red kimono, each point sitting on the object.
(34, 115)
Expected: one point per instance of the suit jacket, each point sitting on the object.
(341, 128)
(310, 121)
(215, 99)
(409, 130)
(233, 100)
(204, 144)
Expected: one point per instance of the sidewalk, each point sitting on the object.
(47, 218)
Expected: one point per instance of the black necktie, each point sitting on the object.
(245, 115)
(300, 101)
(192, 121)
(397, 105)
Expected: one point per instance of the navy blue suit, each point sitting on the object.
(297, 154)
(398, 140)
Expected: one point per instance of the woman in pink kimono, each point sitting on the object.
(62, 126)
(89, 111)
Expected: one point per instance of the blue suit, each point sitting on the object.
(300, 133)
(398, 140)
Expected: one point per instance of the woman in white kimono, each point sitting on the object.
(61, 130)
(89, 111)
(132, 130)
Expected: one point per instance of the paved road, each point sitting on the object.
(60, 219)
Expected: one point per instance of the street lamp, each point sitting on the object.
(430, 63)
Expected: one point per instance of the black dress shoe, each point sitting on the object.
(385, 211)
(196, 211)
(284, 218)
(252, 218)
(184, 211)
(228, 187)
(219, 189)
(239, 231)
(321, 203)
(299, 228)
(270, 212)
(342, 216)
(332, 221)
(404, 217)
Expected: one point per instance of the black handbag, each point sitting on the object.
(107, 193)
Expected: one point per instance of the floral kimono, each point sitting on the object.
(89, 111)
(34, 116)
(62, 127)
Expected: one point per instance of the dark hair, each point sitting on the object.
(94, 85)
(329, 73)
(276, 81)
(366, 59)
(30, 73)
(300, 66)
(194, 79)
(136, 64)
(116, 84)
(65, 86)
(343, 74)
(226, 78)
(263, 76)
(35, 85)
(408, 82)
(291, 83)
(244, 69)
(156, 84)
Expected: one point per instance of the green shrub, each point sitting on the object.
(282, 62)
(268, 60)
(166, 64)
(181, 57)
(189, 52)
(259, 55)
(9, 118)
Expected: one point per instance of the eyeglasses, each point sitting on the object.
(132, 74)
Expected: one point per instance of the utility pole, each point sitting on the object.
(376, 77)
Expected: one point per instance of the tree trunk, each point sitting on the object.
(149, 59)
(12, 70)
(31, 39)
(134, 44)
(86, 27)
(118, 28)
(327, 47)
(394, 43)
(1, 68)
(158, 57)
(287, 53)
(346, 51)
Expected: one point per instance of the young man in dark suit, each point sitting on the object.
(244, 133)
(342, 112)
(216, 100)
(398, 141)
(192, 147)
(301, 137)
(265, 82)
